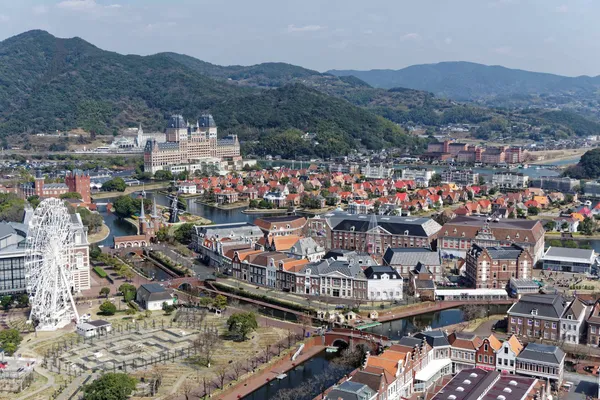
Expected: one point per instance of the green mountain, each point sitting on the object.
(471, 81)
(48, 83)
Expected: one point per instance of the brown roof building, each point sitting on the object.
(493, 267)
(457, 236)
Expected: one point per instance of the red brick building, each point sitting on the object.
(492, 267)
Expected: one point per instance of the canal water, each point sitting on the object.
(316, 366)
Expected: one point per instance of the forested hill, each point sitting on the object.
(471, 81)
(48, 84)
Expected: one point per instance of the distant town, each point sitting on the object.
(286, 263)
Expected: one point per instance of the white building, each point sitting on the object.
(151, 296)
(573, 321)
(510, 180)
(421, 176)
(384, 283)
(308, 249)
(460, 176)
(506, 357)
(93, 328)
(187, 188)
(377, 172)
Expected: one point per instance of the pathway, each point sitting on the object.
(48, 385)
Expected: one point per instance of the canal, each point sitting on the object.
(302, 375)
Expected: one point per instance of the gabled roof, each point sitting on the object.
(494, 342)
(515, 344)
(465, 341)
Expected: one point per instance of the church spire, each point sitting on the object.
(142, 215)
(154, 212)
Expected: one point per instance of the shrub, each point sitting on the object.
(101, 273)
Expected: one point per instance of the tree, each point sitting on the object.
(114, 185)
(70, 195)
(108, 308)
(163, 175)
(586, 226)
(436, 179)
(253, 203)
(10, 340)
(124, 207)
(564, 226)
(219, 302)
(511, 215)
(105, 291)
(6, 301)
(550, 225)
(183, 234)
(241, 324)
(128, 291)
(205, 301)
(23, 300)
(92, 220)
(95, 251)
(168, 308)
(163, 234)
(110, 386)
(481, 180)
(34, 200)
(533, 210)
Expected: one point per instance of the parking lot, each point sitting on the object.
(583, 385)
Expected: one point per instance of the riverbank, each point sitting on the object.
(232, 206)
(131, 189)
(99, 236)
(265, 211)
(576, 236)
(554, 156)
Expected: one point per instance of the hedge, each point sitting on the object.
(101, 273)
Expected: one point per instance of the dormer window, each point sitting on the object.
(512, 383)
(406, 233)
(534, 311)
(462, 234)
(569, 317)
(455, 230)
(446, 233)
(517, 235)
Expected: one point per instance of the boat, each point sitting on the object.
(332, 349)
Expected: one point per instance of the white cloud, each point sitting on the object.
(305, 28)
(448, 40)
(85, 5)
(504, 50)
(39, 9)
(562, 9)
(77, 4)
(4, 18)
(411, 36)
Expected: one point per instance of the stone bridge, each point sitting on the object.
(185, 284)
(350, 338)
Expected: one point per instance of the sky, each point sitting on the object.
(557, 36)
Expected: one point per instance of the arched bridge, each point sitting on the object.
(184, 284)
(350, 338)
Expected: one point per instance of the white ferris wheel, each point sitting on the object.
(48, 262)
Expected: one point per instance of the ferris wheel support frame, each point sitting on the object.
(48, 264)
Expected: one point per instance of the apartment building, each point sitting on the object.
(464, 350)
(406, 260)
(458, 235)
(554, 183)
(537, 316)
(493, 267)
(487, 352)
(593, 326)
(460, 176)
(573, 322)
(510, 180)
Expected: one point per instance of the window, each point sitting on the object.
(485, 347)
(554, 325)
(479, 358)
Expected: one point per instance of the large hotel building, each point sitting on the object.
(192, 147)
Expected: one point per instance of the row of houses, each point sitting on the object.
(418, 364)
